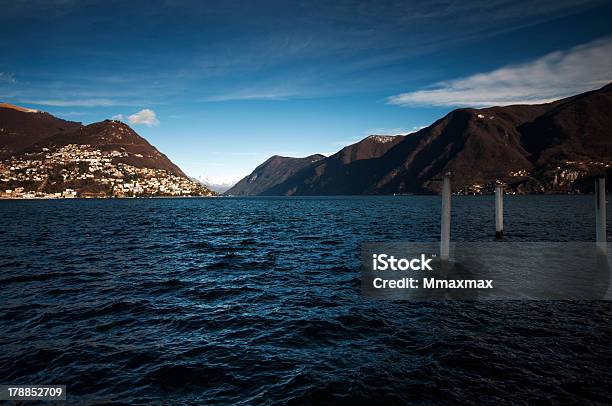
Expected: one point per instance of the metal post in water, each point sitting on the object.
(499, 212)
(600, 212)
(446, 216)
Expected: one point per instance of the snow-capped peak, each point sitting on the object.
(219, 185)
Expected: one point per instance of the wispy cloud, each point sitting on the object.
(393, 131)
(345, 143)
(45, 91)
(253, 94)
(7, 77)
(144, 116)
(73, 113)
(550, 77)
(71, 103)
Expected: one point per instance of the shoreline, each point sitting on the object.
(277, 197)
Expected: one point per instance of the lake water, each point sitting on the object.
(215, 301)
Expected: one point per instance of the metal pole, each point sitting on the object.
(499, 212)
(600, 213)
(446, 216)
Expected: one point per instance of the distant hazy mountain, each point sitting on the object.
(553, 147)
(269, 174)
(42, 155)
(215, 185)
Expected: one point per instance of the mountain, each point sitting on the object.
(215, 185)
(270, 173)
(370, 147)
(44, 156)
(110, 135)
(343, 173)
(574, 128)
(549, 148)
(21, 127)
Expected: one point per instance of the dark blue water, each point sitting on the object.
(257, 301)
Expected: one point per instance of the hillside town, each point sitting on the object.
(561, 178)
(84, 171)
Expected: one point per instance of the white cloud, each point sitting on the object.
(550, 77)
(7, 77)
(393, 131)
(118, 117)
(345, 143)
(255, 94)
(75, 102)
(144, 116)
(73, 113)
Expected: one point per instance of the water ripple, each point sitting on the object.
(257, 301)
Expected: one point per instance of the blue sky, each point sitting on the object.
(219, 86)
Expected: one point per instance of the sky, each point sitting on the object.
(220, 86)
